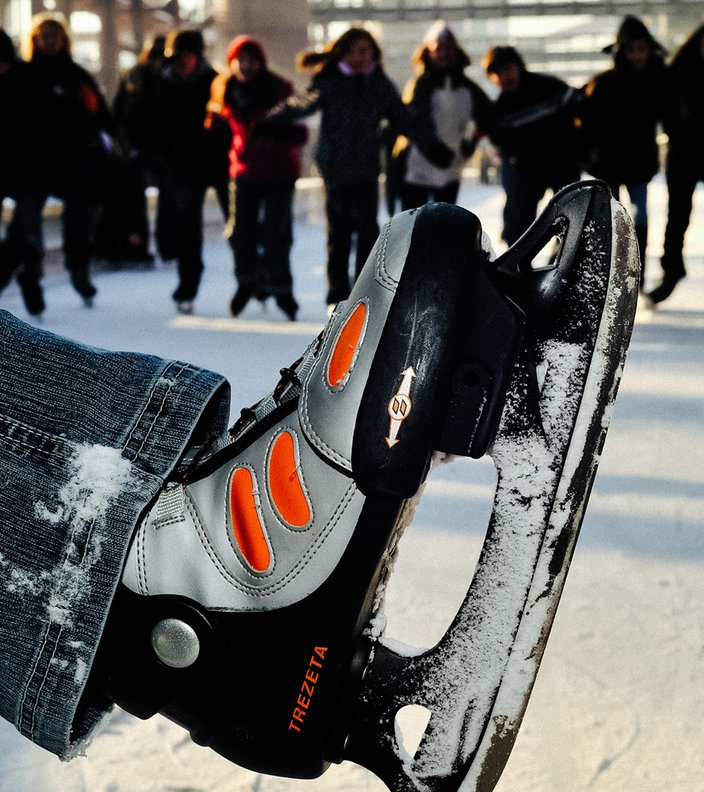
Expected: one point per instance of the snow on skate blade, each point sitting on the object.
(476, 681)
(581, 456)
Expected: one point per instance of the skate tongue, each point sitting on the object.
(475, 683)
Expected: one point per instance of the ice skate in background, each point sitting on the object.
(247, 611)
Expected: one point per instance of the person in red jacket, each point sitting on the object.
(264, 165)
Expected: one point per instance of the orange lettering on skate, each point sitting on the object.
(306, 693)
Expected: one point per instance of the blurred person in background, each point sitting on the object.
(458, 109)
(536, 133)
(360, 107)
(620, 118)
(183, 158)
(76, 150)
(684, 167)
(265, 162)
(23, 173)
(124, 230)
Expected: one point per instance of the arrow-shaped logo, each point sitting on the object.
(400, 406)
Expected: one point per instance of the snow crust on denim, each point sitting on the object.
(87, 438)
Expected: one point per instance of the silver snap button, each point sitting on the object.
(175, 643)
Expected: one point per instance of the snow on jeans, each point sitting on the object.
(87, 438)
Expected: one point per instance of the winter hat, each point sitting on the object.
(633, 29)
(185, 41)
(438, 30)
(246, 42)
(501, 56)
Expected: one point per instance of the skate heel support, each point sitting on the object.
(443, 387)
(476, 681)
(493, 330)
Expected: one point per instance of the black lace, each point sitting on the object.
(288, 378)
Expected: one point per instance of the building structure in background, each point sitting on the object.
(109, 34)
(564, 37)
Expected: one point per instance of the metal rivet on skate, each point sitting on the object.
(175, 643)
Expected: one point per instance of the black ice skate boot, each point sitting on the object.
(246, 610)
(250, 584)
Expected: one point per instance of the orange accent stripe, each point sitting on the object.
(285, 482)
(247, 527)
(347, 342)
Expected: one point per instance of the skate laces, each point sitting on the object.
(288, 388)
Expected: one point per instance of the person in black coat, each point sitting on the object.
(124, 229)
(536, 134)
(620, 116)
(684, 167)
(183, 159)
(76, 151)
(359, 107)
(22, 175)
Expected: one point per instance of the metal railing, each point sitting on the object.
(324, 11)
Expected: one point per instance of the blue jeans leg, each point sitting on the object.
(87, 439)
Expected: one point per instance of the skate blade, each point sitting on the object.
(475, 683)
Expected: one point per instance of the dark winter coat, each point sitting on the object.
(184, 145)
(535, 125)
(75, 116)
(135, 108)
(619, 120)
(23, 150)
(353, 108)
(683, 115)
(262, 152)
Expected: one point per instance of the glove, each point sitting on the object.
(439, 154)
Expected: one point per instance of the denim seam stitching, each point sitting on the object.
(44, 437)
(157, 413)
(45, 639)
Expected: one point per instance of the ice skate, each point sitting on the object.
(246, 607)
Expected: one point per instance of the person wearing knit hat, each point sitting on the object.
(459, 111)
(189, 159)
(620, 118)
(265, 162)
(252, 45)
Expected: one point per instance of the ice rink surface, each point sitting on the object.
(619, 701)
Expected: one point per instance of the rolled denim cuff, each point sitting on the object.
(87, 439)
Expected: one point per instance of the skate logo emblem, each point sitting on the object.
(307, 689)
(400, 406)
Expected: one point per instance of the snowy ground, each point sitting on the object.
(619, 701)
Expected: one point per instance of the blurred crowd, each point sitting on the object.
(184, 127)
